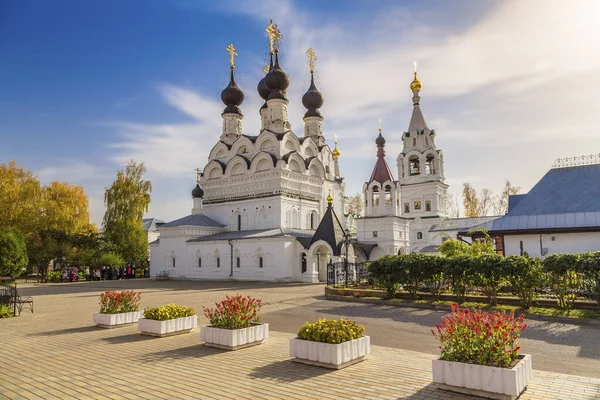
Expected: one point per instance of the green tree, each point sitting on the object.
(126, 200)
(526, 275)
(13, 253)
(387, 272)
(111, 260)
(454, 248)
(564, 277)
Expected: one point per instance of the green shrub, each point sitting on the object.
(331, 331)
(590, 268)
(460, 271)
(13, 253)
(565, 280)
(53, 276)
(490, 275)
(168, 311)
(6, 311)
(526, 275)
(111, 260)
(433, 270)
(387, 272)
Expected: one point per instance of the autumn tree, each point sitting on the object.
(355, 205)
(65, 208)
(507, 191)
(13, 252)
(20, 195)
(470, 201)
(126, 200)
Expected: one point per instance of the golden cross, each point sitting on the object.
(335, 137)
(311, 59)
(197, 175)
(266, 68)
(274, 36)
(232, 54)
(379, 124)
(415, 65)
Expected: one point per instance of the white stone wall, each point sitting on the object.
(391, 234)
(563, 243)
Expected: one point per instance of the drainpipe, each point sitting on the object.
(231, 263)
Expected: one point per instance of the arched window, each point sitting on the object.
(414, 166)
(406, 208)
(419, 235)
(388, 195)
(239, 222)
(312, 220)
(173, 262)
(218, 262)
(237, 262)
(414, 141)
(303, 263)
(375, 195)
(260, 262)
(429, 165)
(427, 205)
(199, 262)
(242, 149)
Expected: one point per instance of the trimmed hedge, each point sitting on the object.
(562, 276)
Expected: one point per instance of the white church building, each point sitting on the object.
(271, 206)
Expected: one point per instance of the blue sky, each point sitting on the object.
(87, 85)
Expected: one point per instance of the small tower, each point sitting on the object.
(232, 96)
(197, 194)
(381, 193)
(277, 81)
(336, 155)
(421, 165)
(313, 100)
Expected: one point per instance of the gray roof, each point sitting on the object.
(195, 220)
(563, 190)
(430, 249)
(455, 224)
(568, 221)
(150, 224)
(257, 234)
(564, 199)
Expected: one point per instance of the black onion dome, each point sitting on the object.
(276, 94)
(312, 112)
(232, 95)
(197, 191)
(312, 98)
(380, 141)
(263, 90)
(277, 79)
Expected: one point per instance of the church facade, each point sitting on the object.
(271, 206)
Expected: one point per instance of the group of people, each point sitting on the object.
(112, 273)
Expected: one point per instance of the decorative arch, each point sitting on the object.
(220, 150)
(296, 162)
(242, 143)
(316, 168)
(238, 165)
(309, 148)
(262, 162)
(376, 253)
(266, 140)
(214, 169)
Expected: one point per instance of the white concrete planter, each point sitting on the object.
(117, 320)
(234, 339)
(484, 381)
(334, 356)
(169, 327)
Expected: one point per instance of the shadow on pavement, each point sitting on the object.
(281, 371)
(432, 391)
(134, 337)
(195, 351)
(68, 331)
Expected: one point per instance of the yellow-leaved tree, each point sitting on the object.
(20, 195)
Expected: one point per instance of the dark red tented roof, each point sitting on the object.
(381, 172)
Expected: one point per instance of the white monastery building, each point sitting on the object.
(271, 206)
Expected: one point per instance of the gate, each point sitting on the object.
(342, 274)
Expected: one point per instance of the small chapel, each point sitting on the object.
(272, 206)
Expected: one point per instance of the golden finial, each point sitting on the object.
(274, 36)
(379, 125)
(232, 54)
(311, 60)
(336, 152)
(266, 68)
(197, 174)
(415, 85)
(329, 197)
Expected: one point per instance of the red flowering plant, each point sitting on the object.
(119, 302)
(478, 337)
(235, 312)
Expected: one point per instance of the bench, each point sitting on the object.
(162, 275)
(10, 297)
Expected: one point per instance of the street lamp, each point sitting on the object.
(347, 244)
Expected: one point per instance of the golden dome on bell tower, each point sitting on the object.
(415, 85)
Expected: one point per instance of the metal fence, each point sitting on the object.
(342, 274)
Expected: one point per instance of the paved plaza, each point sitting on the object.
(58, 353)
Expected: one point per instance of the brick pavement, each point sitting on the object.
(58, 353)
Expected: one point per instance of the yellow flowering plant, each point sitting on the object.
(168, 311)
(331, 331)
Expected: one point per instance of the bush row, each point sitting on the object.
(564, 276)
